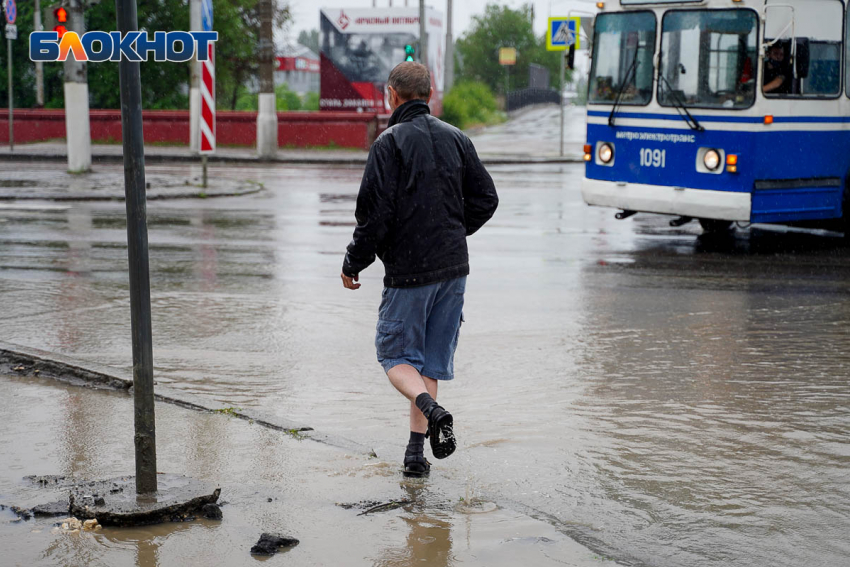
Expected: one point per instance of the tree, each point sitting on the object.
(309, 39)
(164, 85)
(501, 26)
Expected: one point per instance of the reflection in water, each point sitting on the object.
(717, 416)
(146, 542)
(429, 538)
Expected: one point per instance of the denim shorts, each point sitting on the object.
(420, 326)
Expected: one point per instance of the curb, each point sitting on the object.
(152, 196)
(358, 161)
(23, 361)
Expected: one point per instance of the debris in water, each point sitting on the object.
(386, 507)
(46, 480)
(71, 524)
(363, 504)
(212, 512)
(269, 544)
(58, 508)
(22, 513)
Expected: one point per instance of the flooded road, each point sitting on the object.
(662, 397)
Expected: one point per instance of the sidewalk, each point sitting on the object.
(101, 153)
(270, 482)
(57, 150)
(55, 184)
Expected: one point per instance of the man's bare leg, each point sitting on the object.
(407, 380)
(422, 391)
(410, 383)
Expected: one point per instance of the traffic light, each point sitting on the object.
(60, 14)
(55, 18)
(409, 52)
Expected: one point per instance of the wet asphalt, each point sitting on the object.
(660, 396)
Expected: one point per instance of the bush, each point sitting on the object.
(471, 104)
(246, 100)
(286, 99)
(311, 101)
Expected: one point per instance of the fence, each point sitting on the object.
(295, 129)
(527, 97)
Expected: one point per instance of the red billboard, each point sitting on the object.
(359, 48)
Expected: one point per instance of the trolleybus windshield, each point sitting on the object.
(622, 58)
(708, 58)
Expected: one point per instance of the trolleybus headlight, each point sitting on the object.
(711, 160)
(606, 153)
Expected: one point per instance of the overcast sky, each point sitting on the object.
(306, 12)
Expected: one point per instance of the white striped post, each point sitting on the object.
(207, 118)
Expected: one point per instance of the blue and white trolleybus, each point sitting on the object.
(721, 111)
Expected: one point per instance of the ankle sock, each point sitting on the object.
(426, 404)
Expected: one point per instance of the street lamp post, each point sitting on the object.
(450, 50)
(76, 89)
(423, 35)
(39, 66)
(267, 115)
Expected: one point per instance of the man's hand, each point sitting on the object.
(349, 282)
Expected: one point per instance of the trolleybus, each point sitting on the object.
(721, 111)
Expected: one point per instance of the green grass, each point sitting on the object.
(231, 412)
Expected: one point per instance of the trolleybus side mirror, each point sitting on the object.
(571, 58)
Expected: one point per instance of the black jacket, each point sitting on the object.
(423, 192)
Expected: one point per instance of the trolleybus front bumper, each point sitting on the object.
(696, 203)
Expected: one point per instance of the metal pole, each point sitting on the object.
(204, 168)
(561, 98)
(39, 66)
(11, 103)
(423, 35)
(450, 50)
(137, 248)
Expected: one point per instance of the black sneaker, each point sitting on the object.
(440, 433)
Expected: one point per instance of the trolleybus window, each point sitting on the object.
(622, 58)
(708, 58)
(803, 48)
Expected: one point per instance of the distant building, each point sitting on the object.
(299, 68)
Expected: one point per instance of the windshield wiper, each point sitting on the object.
(620, 92)
(680, 107)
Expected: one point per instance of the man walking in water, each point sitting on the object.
(423, 192)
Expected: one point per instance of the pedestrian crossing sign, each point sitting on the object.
(562, 33)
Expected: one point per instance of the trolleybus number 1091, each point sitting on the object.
(653, 158)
